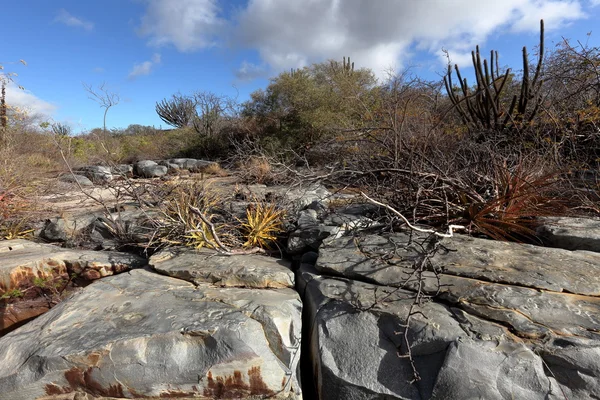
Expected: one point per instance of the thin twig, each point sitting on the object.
(451, 228)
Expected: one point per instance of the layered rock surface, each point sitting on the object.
(141, 334)
(507, 320)
(33, 276)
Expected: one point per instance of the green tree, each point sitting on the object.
(313, 103)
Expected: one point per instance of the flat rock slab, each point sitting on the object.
(22, 260)
(34, 276)
(535, 291)
(206, 266)
(358, 349)
(571, 233)
(141, 334)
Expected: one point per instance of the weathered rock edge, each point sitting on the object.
(140, 334)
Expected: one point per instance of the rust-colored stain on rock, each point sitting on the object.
(83, 380)
(234, 387)
(175, 394)
(52, 389)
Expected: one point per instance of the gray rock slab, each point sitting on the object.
(141, 334)
(357, 335)
(74, 178)
(149, 169)
(122, 170)
(531, 266)
(67, 226)
(21, 260)
(206, 266)
(97, 173)
(523, 287)
(571, 233)
(26, 266)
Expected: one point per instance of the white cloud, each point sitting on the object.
(64, 17)
(249, 71)
(376, 34)
(144, 68)
(188, 24)
(25, 100)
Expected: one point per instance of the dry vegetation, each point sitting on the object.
(492, 155)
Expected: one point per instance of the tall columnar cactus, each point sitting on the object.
(484, 108)
(348, 68)
(3, 116)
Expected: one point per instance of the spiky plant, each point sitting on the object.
(263, 223)
(181, 226)
(509, 213)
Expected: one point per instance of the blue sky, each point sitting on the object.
(146, 50)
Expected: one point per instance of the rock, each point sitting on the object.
(191, 164)
(546, 299)
(125, 170)
(206, 266)
(358, 333)
(170, 166)
(145, 335)
(312, 231)
(30, 271)
(127, 227)
(149, 169)
(202, 165)
(97, 173)
(98, 230)
(74, 178)
(570, 233)
(183, 163)
(67, 227)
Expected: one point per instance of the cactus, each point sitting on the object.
(178, 112)
(484, 108)
(3, 116)
(348, 68)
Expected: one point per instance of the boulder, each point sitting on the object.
(126, 227)
(191, 164)
(97, 173)
(570, 233)
(170, 166)
(74, 178)
(358, 350)
(124, 170)
(507, 320)
(206, 266)
(141, 335)
(149, 169)
(67, 227)
(315, 224)
(33, 276)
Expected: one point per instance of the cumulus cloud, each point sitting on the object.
(187, 24)
(144, 68)
(64, 17)
(25, 100)
(377, 34)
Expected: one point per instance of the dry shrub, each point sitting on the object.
(518, 196)
(257, 169)
(215, 169)
(181, 226)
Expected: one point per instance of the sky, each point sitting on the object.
(148, 50)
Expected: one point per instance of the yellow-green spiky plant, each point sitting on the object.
(263, 223)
